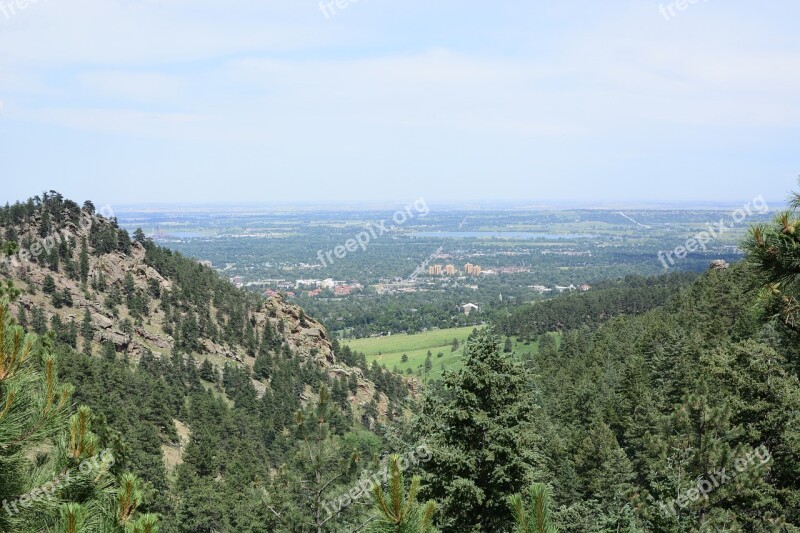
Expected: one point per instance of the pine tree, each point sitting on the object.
(87, 328)
(38, 321)
(22, 317)
(49, 286)
(535, 517)
(483, 441)
(67, 486)
(207, 371)
(109, 351)
(301, 491)
(397, 512)
(262, 366)
(83, 261)
(774, 249)
(507, 347)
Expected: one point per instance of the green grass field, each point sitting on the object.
(389, 351)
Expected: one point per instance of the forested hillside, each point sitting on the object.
(671, 404)
(195, 386)
(631, 295)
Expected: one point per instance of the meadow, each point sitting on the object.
(389, 350)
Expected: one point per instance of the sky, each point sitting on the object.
(156, 101)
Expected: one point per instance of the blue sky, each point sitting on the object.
(128, 101)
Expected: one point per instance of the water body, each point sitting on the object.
(500, 235)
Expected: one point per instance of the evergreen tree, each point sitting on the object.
(83, 261)
(208, 372)
(535, 517)
(49, 285)
(38, 321)
(507, 347)
(22, 317)
(300, 492)
(109, 351)
(397, 512)
(70, 487)
(484, 444)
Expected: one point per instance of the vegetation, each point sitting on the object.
(667, 404)
(398, 512)
(58, 470)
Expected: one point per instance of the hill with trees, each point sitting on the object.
(671, 404)
(194, 385)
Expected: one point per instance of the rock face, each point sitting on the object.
(718, 264)
(306, 337)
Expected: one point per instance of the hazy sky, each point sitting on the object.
(193, 100)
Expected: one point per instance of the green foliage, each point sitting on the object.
(774, 251)
(66, 486)
(398, 512)
(481, 428)
(49, 286)
(632, 295)
(533, 516)
(299, 493)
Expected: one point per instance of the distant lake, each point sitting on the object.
(499, 235)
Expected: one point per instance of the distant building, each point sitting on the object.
(568, 288)
(541, 289)
(513, 270)
(435, 270)
(585, 287)
(314, 293)
(468, 308)
(472, 270)
(450, 270)
(344, 290)
(238, 281)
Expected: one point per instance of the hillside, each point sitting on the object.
(95, 286)
(630, 296)
(240, 414)
(196, 384)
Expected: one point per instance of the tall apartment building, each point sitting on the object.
(450, 270)
(472, 270)
(435, 270)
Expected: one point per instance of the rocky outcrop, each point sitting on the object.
(164, 342)
(211, 347)
(719, 264)
(306, 337)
